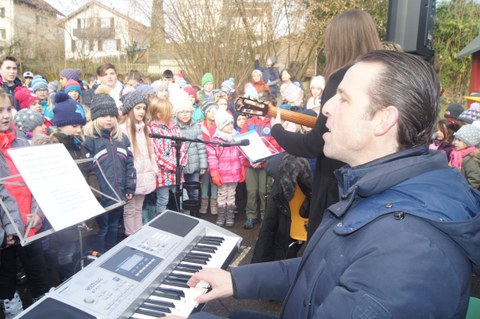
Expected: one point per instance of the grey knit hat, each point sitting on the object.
(469, 134)
(27, 120)
(103, 105)
(131, 99)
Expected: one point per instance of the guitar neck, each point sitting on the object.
(291, 116)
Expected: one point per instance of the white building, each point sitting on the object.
(95, 31)
(26, 23)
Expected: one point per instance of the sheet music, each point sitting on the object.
(57, 184)
(256, 151)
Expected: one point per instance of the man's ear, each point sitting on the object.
(386, 119)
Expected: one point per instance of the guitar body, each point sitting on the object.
(249, 106)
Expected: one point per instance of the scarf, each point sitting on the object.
(456, 157)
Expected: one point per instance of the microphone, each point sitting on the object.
(238, 143)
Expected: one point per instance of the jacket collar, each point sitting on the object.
(382, 174)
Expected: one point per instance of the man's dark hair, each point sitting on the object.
(412, 86)
(104, 67)
(7, 58)
(168, 74)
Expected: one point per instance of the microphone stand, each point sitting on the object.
(178, 170)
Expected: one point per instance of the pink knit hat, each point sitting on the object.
(291, 93)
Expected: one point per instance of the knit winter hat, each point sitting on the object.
(469, 134)
(145, 89)
(159, 86)
(318, 81)
(72, 85)
(251, 92)
(103, 105)
(208, 105)
(181, 82)
(222, 119)
(132, 99)
(53, 85)
(27, 120)
(453, 111)
(207, 77)
(38, 83)
(67, 111)
(291, 92)
(229, 85)
(71, 74)
(180, 101)
(190, 90)
(471, 114)
(25, 97)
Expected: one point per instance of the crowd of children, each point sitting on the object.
(110, 122)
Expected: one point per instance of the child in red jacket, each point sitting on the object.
(226, 168)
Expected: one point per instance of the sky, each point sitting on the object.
(128, 7)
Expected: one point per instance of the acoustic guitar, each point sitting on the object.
(253, 107)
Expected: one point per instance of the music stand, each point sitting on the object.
(45, 165)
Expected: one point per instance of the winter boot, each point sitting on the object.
(213, 206)
(203, 208)
(221, 214)
(12, 307)
(230, 218)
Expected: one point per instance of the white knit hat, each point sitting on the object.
(222, 118)
(318, 81)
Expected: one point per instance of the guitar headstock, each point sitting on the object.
(250, 106)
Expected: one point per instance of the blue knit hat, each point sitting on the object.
(67, 111)
(229, 85)
(71, 74)
(38, 83)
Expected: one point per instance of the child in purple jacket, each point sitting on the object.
(226, 168)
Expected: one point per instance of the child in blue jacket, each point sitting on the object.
(112, 154)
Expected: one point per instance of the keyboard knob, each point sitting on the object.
(89, 299)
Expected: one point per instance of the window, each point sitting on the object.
(119, 45)
(108, 45)
(106, 22)
(3, 34)
(79, 23)
(2, 12)
(74, 45)
(90, 45)
(100, 45)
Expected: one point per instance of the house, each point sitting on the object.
(473, 49)
(96, 31)
(28, 26)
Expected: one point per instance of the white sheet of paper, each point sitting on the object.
(57, 184)
(256, 150)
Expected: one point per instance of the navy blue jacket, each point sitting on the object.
(116, 161)
(401, 243)
(11, 89)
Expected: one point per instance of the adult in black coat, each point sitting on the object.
(349, 35)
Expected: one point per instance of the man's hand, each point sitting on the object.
(277, 119)
(220, 281)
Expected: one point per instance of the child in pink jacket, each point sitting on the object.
(226, 168)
